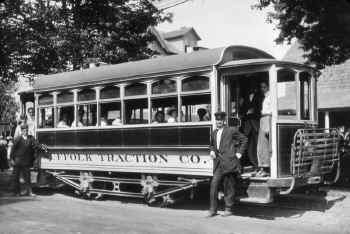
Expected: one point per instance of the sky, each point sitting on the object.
(227, 22)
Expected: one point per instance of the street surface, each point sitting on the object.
(56, 212)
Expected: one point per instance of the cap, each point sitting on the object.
(220, 115)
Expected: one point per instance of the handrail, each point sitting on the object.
(290, 189)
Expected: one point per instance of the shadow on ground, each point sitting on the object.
(294, 205)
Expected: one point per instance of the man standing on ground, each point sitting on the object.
(22, 157)
(226, 155)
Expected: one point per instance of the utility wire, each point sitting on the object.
(172, 5)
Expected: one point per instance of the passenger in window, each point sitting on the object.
(80, 118)
(63, 123)
(117, 121)
(159, 117)
(172, 115)
(202, 114)
(49, 122)
(264, 146)
(103, 121)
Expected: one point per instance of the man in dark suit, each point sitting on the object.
(251, 110)
(226, 148)
(22, 158)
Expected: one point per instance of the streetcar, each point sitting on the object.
(142, 129)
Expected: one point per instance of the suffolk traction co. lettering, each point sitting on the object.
(147, 158)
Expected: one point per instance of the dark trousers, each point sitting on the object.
(229, 183)
(251, 130)
(25, 172)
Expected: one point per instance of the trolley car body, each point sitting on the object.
(110, 145)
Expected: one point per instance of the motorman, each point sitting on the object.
(226, 148)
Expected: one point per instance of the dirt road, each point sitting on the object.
(60, 213)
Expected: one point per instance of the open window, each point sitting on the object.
(65, 115)
(164, 110)
(196, 108)
(46, 111)
(65, 109)
(87, 109)
(136, 111)
(195, 99)
(110, 106)
(110, 113)
(136, 104)
(46, 117)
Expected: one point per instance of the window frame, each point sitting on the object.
(44, 106)
(53, 115)
(312, 108)
(122, 99)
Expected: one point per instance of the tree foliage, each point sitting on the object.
(320, 26)
(8, 105)
(48, 36)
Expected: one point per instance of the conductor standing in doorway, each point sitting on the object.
(226, 148)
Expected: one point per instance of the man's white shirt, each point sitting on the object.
(266, 106)
(218, 137)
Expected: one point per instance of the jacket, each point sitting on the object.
(232, 142)
(22, 152)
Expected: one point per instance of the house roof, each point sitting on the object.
(333, 84)
(161, 66)
(167, 47)
(181, 32)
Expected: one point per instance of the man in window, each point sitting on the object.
(159, 117)
(264, 149)
(104, 121)
(172, 115)
(80, 119)
(63, 123)
(226, 148)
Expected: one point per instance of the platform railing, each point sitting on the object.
(315, 152)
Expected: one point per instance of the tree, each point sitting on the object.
(320, 26)
(8, 105)
(9, 40)
(50, 36)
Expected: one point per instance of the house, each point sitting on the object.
(183, 40)
(333, 90)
